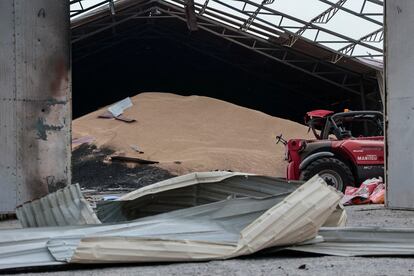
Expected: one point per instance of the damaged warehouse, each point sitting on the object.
(147, 46)
(187, 142)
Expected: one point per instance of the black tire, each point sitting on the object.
(335, 172)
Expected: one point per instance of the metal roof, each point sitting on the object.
(346, 27)
(274, 30)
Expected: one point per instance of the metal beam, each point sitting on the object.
(287, 56)
(110, 25)
(208, 53)
(275, 52)
(74, 13)
(322, 18)
(375, 36)
(252, 17)
(276, 14)
(361, 15)
(294, 31)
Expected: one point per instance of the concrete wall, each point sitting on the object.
(399, 106)
(35, 89)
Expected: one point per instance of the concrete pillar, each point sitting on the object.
(35, 98)
(399, 103)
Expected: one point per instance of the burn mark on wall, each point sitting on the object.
(42, 128)
(52, 101)
(58, 84)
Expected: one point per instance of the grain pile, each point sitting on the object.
(194, 133)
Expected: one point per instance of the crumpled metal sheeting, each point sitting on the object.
(52, 245)
(220, 230)
(27, 247)
(362, 241)
(66, 206)
(130, 249)
(217, 225)
(190, 190)
(181, 181)
(295, 219)
(26, 253)
(240, 181)
(338, 218)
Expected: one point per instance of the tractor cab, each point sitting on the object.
(326, 124)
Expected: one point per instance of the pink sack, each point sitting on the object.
(362, 194)
(378, 195)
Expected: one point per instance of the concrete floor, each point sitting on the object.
(369, 215)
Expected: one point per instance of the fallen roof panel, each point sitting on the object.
(362, 241)
(228, 228)
(191, 190)
(64, 207)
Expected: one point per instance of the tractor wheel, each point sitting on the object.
(335, 172)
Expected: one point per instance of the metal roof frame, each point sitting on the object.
(253, 33)
(202, 46)
(251, 12)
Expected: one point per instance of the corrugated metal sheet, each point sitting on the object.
(64, 207)
(36, 245)
(219, 230)
(296, 218)
(190, 190)
(338, 218)
(68, 207)
(362, 241)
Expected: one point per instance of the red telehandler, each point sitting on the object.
(348, 149)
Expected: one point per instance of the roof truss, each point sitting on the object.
(277, 23)
(251, 33)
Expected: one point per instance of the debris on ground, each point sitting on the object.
(302, 266)
(371, 191)
(338, 218)
(118, 108)
(361, 241)
(136, 148)
(64, 207)
(76, 142)
(202, 133)
(106, 115)
(213, 228)
(132, 159)
(125, 119)
(93, 174)
(115, 111)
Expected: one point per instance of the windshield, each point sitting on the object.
(354, 126)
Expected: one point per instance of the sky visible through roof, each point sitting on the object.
(342, 23)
